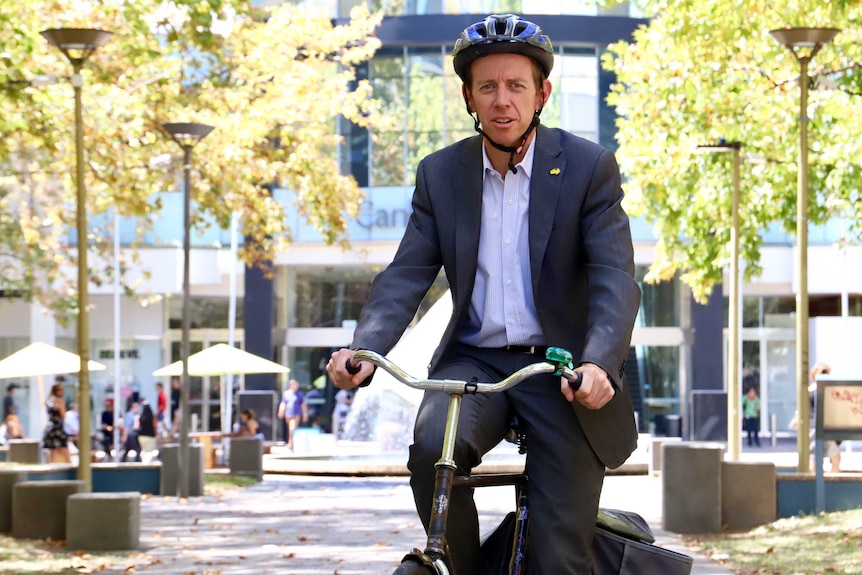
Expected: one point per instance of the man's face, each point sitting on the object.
(504, 95)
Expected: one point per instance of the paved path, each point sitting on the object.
(304, 525)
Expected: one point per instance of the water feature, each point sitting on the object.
(385, 411)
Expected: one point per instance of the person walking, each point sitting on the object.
(528, 225)
(131, 427)
(292, 409)
(162, 423)
(55, 439)
(146, 430)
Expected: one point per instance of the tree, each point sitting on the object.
(271, 82)
(705, 71)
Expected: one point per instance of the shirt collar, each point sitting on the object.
(525, 164)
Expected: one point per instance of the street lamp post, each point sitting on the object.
(805, 43)
(733, 321)
(78, 44)
(187, 135)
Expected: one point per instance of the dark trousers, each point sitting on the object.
(565, 475)
(131, 444)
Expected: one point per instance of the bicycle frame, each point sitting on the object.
(435, 554)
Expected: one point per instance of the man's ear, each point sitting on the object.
(467, 99)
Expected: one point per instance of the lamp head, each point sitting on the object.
(187, 134)
(77, 44)
(800, 38)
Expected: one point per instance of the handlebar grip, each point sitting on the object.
(576, 385)
(351, 367)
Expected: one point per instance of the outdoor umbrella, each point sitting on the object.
(223, 359)
(38, 360)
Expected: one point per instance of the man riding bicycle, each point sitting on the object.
(527, 223)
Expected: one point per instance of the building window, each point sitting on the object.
(329, 296)
(206, 312)
(660, 303)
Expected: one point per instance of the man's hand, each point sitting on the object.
(596, 389)
(336, 368)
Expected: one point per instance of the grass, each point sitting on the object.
(46, 557)
(829, 543)
(217, 483)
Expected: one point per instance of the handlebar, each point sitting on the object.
(558, 361)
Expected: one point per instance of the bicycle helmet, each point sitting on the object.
(502, 34)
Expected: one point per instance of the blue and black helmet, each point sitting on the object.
(502, 34)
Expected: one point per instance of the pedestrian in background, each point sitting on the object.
(292, 409)
(162, 424)
(54, 439)
(146, 430)
(9, 407)
(131, 425)
(751, 416)
(107, 427)
(72, 423)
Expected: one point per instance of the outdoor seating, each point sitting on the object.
(8, 479)
(39, 508)
(25, 451)
(120, 532)
(246, 457)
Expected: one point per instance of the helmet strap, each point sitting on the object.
(511, 149)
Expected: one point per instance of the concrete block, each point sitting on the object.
(118, 526)
(39, 508)
(246, 457)
(8, 478)
(691, 487)
(170, 456)
(25, 451)
(748, 494)
(654, 448)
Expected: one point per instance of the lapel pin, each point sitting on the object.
(555, 172)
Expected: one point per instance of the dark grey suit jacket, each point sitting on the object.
(581, 261)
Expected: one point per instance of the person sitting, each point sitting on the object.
(248, 425)
(11, 429)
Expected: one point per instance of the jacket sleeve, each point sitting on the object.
(398, 290)
(612, 293)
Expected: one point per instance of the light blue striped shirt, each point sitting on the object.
(502, 310)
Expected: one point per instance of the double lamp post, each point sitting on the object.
(78, 44)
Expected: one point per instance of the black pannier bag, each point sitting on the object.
(623, 546)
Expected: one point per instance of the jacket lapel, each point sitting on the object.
(467, 185)
(549, 168)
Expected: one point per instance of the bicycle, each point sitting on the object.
(506, 547)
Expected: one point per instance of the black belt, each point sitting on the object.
(530, 349)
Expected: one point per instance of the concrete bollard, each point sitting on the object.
(118, 526)
(246, 457)
(655, 443)
(8, 479)
(25, 451)
(748, 494)
(170, 456)
(691, 487)
(39, 508)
